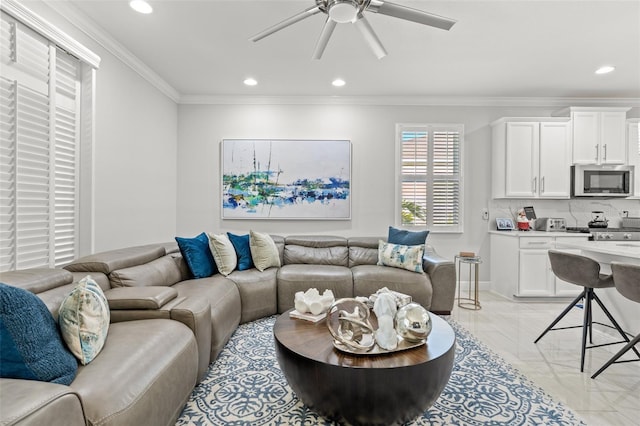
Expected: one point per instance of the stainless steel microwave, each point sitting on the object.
(601, 181)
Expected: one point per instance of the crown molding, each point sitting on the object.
(104, 39)
(408, 101)
(50, 32)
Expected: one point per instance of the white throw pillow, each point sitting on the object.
(84, 320)
(263, 251)
(223, 253)
(401, 256)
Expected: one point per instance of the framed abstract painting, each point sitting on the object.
(286, 179)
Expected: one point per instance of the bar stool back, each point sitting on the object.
(627, 281)
(585, 272)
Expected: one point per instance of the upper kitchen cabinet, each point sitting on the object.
(599, 134)
(531, 158)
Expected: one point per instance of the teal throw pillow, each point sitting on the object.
(243, 250)
(406, 237)
(30, 345)
(198, 256)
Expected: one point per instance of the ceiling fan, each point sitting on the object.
(353, 11)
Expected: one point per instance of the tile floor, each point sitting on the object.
(509, 329)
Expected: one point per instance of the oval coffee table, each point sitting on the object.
(363, 389)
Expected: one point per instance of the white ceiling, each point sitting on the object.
(530, 48)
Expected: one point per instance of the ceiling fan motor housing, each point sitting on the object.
(343, 11)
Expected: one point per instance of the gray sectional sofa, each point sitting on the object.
(166, 327)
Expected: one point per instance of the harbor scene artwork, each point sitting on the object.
(286, 179)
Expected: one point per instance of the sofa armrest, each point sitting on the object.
(195, 313)
(30, 402)
(139, 297)
(442, 273)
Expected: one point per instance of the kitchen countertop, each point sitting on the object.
(626, 249)
(538, 234)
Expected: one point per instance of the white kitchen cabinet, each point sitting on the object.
(599, 134)
(520, 265)
(531, 158)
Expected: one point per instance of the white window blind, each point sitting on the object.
(39, 104)
(430, 176)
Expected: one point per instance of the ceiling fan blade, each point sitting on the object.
(370, 36)
(289, 21)
(325, 35)
(410, 14)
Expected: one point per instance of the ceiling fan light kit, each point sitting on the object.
(353, 11)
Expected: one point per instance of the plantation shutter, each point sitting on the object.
(430, 178)
(39, 104)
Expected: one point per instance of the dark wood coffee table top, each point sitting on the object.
(313, 341)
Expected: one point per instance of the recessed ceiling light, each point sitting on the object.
(250, 82)
(141, 6)
(338, 82)
(605, 69)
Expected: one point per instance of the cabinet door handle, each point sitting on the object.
(534, 184)
(537, 242)
(542, 185)
(596, 153)
(604, 152)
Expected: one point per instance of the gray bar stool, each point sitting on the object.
(585, 272)
(627, 280)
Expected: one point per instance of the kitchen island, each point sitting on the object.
(626, 312)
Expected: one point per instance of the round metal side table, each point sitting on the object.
(472, 301)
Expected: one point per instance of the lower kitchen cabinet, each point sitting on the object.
(520, 265)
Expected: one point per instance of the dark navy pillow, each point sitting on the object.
(406, 237)
(31, 347)
(198, 255)
(241, 244)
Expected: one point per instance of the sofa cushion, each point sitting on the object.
(400, 256)
(294, 278)
(316, 250)
(367, 279)
(264, 251)
(164, 271)
(223, 253)
(241, 244)
(363, 250)
(108, 261)
(198, 255)
(407, 237)
(258, 292)
(84, 320)
(31, 346)
(37, 280)
(143, 376)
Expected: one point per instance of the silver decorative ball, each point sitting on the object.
(413, 322)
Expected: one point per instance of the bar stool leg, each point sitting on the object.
(614, 322)
(565, 312)
(621, 352)
(586, 324)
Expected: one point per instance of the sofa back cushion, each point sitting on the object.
(164, 271)
(316, 249)
(109, 261)
(363, 250)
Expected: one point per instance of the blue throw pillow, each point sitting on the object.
(30, 345)
(406, 237)
(198, 255)
(243, 250)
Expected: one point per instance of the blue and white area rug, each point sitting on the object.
(246, 387)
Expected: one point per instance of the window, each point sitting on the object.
(430, 178)
(41, 94)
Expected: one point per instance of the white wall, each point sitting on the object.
(371, 131)
(135, 150)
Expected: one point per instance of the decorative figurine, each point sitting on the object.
(385, 310)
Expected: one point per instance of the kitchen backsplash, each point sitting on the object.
(577, 212)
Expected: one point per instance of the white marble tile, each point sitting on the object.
(509, 328)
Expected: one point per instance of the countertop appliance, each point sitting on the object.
(549, 224)
(598, 220)
(616, 234)
(601, 181)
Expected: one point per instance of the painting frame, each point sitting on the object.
(285, 179)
